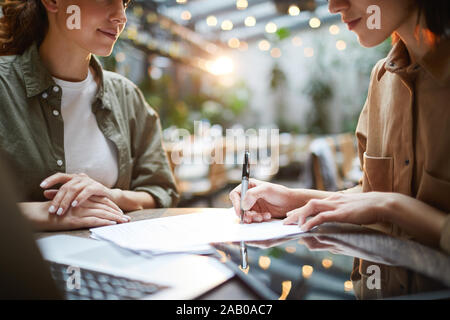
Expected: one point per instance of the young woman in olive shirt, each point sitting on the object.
(41, 47)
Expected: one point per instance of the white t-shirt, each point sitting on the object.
(86, 149)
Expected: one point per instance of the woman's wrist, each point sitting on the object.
(387, 207)
(115, 195)
(37, 214)
(132, 200)
(300, 197)
(394, 207)
(417, 218)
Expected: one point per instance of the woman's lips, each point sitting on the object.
(353, 23)
(112, 36)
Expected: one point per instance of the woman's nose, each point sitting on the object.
(337, 6)
(118, 14)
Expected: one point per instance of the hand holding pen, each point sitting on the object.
(262, 201)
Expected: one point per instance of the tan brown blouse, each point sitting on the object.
(404, 130)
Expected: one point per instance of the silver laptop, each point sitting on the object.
(92, 269)
(82, 268)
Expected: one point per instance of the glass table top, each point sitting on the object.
(319, 265)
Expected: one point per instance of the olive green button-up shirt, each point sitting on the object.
(32, 128)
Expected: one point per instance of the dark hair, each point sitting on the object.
(437, 16)
(23, 22)
(437, 19)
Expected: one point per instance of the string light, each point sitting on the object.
(152, 17)
(276, 51)
(285, 289)
(334, 29)
(241, 4)
(307, 271)
(227, 25)
(294, 10)
(234, 43)
(297, 41)
(211, 21)
(327, 263)
(132, 33)
(348, 286)
(314, 22)
(250, 21)
(138, 11)
(186, 15)
(341, 45)
(264, 45)
(271, 27)
(264, 262)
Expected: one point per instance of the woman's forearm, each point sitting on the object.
(418, 219)
(301, 196)
(36, 213)
(132, 200)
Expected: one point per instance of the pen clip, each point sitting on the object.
(245, 178)
(246, 165)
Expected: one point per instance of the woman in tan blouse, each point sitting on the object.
(403, 133)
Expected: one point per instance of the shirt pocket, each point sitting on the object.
(378, 174)
(434, 191)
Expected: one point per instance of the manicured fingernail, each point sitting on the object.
(113, 222)
(124, 219)
(43, 184)
(303, 228)
(74, 204)
(258, 218)
(51, 209)
(59, 212)
(267, 216)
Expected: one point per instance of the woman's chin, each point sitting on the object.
(369, 42)
(102, 50)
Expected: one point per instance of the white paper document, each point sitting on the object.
(190, 232)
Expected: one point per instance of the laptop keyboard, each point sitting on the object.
(85, 284)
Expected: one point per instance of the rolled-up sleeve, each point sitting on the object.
(445, 236)
(151, 171)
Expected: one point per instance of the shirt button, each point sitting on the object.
(406, 162)
(59, 163)
(55, 89)
(55, 113)
(45, 95)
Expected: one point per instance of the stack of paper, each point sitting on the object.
(190, 232)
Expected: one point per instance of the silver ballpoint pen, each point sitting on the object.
(245, 177)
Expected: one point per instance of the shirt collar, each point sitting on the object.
(37, 78)
(436, 61)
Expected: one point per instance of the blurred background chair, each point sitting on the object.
(333, 163)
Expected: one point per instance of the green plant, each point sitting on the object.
(320, 92)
